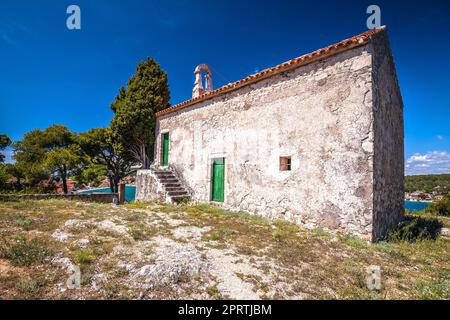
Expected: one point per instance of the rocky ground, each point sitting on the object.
(152, 251)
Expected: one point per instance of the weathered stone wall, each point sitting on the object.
(148, 187)
(389, 140)
(339, 119)
(319, 114)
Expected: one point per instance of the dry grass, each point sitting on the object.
(312, 263)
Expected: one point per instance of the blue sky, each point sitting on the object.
(52, 75)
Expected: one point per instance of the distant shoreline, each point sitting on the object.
(419, 201)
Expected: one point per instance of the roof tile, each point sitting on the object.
(347, 44)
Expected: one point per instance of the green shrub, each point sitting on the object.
(114, 290)
(4, 176)
(137, 205)
(286, 226)
(219, 235)
(416, 228)
(389, 248)
(23, 222)
(228, 232)
(136, 216)
(183, 201)
(140, 232)
(213, 292)
(353, 241)
(23, 252)
(214, 235)
(32, 287)
(83, 257)
(278, 235)
(440, 208)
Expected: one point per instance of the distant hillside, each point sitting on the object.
(428, 183)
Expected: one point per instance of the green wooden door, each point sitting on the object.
(165, 158)
(218, 180)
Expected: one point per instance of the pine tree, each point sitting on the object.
(133, 125)
(4, 142)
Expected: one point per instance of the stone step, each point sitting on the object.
(177, 193)
(167, 178)
(178, 188)
(165, 174)
(162, 171)
(166, 181)
(172, 185)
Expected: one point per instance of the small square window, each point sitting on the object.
(285, 163)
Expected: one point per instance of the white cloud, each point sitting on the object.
(433, 162)
(8, 152)
(10, 32)
(440, 137)
(418, 158)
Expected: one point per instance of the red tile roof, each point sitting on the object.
(353, 42)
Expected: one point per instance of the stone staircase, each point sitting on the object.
(172, 185)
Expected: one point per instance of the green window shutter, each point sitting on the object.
(165, 159)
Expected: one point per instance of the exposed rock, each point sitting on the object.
(224, 267)
(82, 243)
(445, 232)
(111, 226)
(172, 260)
(127, 266)
(73, 223)
(97, 280)
(60, 236)
(64, 263)
(189, 232)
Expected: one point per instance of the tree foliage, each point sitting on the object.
(91, 174)
(99, 146)
(4, 175)
(29, 154)
(129, 141)
(133, 125)
(4, 142)
(441, 207)
(51, 151)
(428, 183)
(64, 162)
(17, 171)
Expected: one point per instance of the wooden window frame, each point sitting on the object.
(285, 163)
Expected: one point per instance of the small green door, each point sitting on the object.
(165, 157)
(218, 180)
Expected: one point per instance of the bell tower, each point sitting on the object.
(198, 84)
